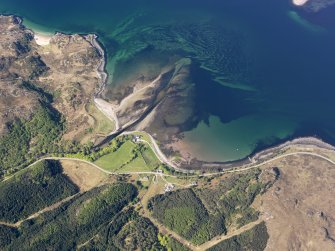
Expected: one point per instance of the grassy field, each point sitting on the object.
(115, 160)
(150, 158)
(137, 165)
(121, 160)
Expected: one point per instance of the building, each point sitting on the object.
(136, 138)
(168, 187)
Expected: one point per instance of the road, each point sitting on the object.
(271, 160)
(190, 176)
(95, 166)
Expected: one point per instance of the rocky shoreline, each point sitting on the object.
(259, 157)
(93, 39)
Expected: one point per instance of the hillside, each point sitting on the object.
(46, 94)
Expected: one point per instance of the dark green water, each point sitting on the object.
(273, 64)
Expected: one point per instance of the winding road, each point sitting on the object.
(233, 170)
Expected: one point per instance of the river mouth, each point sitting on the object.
(264, 70)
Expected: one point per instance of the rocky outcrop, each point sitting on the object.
(65, 71)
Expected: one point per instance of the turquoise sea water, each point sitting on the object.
(268, 66)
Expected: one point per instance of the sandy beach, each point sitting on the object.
(299, 2)
(42, 38)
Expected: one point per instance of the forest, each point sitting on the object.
(7, 235)
(200, 214)
(33, 189)
(183, 212)
(102, 218)
(78, 219)
(29, 138)
(254, 239)
(130, 231)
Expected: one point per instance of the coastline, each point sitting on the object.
(101, 69)
(41, 37)
(252, 158)
(260, 156)
(106, 108)
(195, 165)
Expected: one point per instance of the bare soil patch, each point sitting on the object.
(83, 175)
(298, 209)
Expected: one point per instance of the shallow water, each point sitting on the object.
(274, 62)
